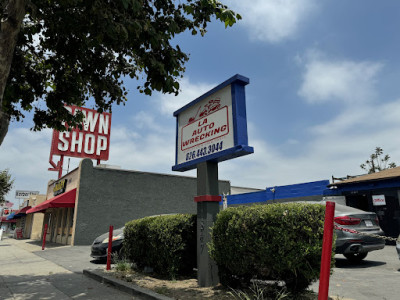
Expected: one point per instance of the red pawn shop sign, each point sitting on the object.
(92, 141)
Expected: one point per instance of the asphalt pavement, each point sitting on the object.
(377, 277)
(27, 272)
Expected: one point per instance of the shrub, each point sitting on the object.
(269, 242)
(166, 243)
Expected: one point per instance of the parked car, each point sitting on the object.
(355, 247)
(100, 244)
(398, 246)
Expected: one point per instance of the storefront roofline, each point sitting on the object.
(388, 174)
(369, 185)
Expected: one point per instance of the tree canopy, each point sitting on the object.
(56, 53)
(6, 184)
(377, 162)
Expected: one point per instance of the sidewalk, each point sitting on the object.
(25, 275)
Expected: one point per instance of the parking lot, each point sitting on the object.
(376, 277)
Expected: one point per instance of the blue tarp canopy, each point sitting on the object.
(11, 216)
(22, 212)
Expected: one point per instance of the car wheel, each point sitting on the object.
(356, 257)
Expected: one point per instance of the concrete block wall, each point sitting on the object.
(114, 197)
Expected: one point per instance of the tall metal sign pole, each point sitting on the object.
(211, 129)
(207, 210)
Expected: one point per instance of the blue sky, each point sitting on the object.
(324, 92)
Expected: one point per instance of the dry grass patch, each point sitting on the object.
(183, 288)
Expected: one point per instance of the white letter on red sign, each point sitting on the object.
(75, 142)
(103, 125)
(101, 144)
(90, 121)
(63, 146)
(89, 149)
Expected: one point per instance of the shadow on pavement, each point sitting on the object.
(56, 286)
(49, 245)
(344, 263)
(98, 261)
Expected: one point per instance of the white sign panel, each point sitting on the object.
(213, 127)
(378, 200)
(25, 194)
(206, 128)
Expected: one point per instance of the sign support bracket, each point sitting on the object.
(56, 167)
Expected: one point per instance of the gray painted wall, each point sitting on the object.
(114, 197)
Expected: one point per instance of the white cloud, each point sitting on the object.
(345, 142)
(121, 133)
(344, 80)
(26, 155)
(273, 20)
(144, 121)
(189, 91)
(150, 151)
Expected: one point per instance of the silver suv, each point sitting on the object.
(353, 246)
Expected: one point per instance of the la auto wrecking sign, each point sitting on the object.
(93, 141)
(213, 127)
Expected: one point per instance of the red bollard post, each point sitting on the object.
(110, 235)
(326, 252)
(44, 237)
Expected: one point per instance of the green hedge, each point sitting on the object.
(166, 243)
(271, 242)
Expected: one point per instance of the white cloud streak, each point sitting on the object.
(273, 21)
(344, 80)
(26, 155)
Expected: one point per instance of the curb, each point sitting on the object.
(124, 286)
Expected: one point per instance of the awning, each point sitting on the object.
(66, 199)
(20, 213)
(4, 220)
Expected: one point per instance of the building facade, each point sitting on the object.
(83, 204)
(377, 192)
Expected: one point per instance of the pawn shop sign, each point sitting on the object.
(93, 141)
(213, 127)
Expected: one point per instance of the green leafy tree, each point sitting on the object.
(377, 162)
(6, 184)
(56, 53)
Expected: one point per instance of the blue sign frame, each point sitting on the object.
(241, 147)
